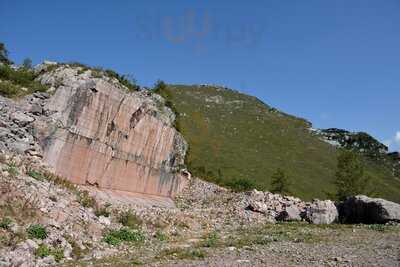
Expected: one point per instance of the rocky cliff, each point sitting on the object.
(93, 131)
(364, 144)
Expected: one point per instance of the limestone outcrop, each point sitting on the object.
(93, 131)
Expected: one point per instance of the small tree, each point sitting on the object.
(280, 183)
(240, 184)
(4, 55)
(27, 64)
(159, 87)
(350, 180)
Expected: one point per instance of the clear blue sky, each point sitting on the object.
(335, 63)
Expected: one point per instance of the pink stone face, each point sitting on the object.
(112, 140)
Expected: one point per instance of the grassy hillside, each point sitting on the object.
(232, 135)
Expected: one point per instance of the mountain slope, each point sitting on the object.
(232, 135)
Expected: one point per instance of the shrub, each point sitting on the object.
(349, 178)
(42, 251)
(58, 254)
(14, 79)
(116, 237)
(129, 219)
(126, 80)
(4, 55)
(85, 199)
(182, 254)
(159, 87)
(8, 89)
(12, 169)
(240, 184)
(5, 223)
(211, 240)
(103, 210)
(377, 227)
(161, 236)
(112, 240)
(35, 175)
(60, 181)
(280, 182)
(37, 231)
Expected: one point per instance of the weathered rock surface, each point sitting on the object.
(363, 209)
(92, 131)
(321, 212)
(291, 213)
(109, 138)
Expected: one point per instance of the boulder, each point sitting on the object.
(321, 212)
(363, 209)
(36, 109)
(291, 213)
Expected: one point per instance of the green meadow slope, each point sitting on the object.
(236, 136)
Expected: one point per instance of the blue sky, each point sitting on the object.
(335, 63)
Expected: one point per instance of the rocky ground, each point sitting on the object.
(289, 244)
(47, 221)
(210, 226)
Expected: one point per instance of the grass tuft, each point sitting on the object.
(37, 231)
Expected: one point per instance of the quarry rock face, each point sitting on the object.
(92, 131)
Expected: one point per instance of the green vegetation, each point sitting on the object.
(126, 80)
(43, 251)
(35, 175)
(240, 184)
(280, 183)
(282, 232)
(116, 237)
(5, 223)
(159, 87)
(350, 179)
(243, 138)
(211, 240)
(18, 82)
(182, 254)
(129, 219)
(85, 199)
(377, 227)
(55, 179)
(161, 236)
(4, 55)
(12, 169)
(37, 231)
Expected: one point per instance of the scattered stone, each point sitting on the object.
(21, 119)
(104, 220)
(36, 109)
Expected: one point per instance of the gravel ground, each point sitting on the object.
(341, 247)
(290, 245)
